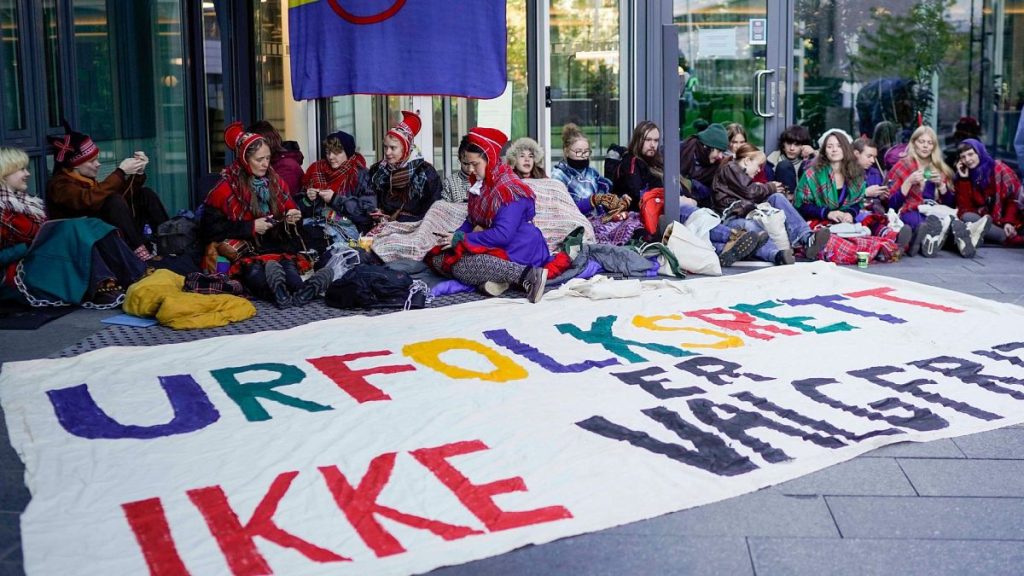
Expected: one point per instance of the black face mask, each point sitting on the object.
(578, 164)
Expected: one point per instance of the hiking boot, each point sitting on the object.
(277, 284)
(962, 239)
(741, 244)
(978, 230)
(784, 257)
(816, 243)
(903, 239)
(492, 288)
(931, 236)
(316, 285)
(533, 283)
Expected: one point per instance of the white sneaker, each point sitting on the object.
(978, 230)
(962, 239)
(932, 236)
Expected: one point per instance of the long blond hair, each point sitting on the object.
(936, 157)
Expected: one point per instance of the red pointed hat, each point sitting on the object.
(490, 140)
(73, 148)
(239, 141)
(406, 130)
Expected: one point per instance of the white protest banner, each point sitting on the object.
(400, 443)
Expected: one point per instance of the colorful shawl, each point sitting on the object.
(344, 180)
(817, 188)
(400, 181)
(22, 203)
(500, 187)
(916, 195)
(238, 204)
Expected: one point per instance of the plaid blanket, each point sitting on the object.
(557, 216)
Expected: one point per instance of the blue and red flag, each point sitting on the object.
(420, 47)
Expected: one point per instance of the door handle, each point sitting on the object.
(760, 85)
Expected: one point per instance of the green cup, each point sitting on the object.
(862, 259)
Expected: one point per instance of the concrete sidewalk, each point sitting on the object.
(946, 507)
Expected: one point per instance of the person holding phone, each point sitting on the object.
(986, 190)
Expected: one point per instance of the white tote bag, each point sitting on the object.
(695, 254)
(773, 221)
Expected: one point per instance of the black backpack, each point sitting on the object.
(612, 159)
(176, 236)
(369, 286)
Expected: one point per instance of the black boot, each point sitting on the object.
(278, 286)
(315, 286)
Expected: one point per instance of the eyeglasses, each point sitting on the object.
(581, 152)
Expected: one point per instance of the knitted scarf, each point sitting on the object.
(501, 186)
(817, 188)
(267, 191)
(343, 180)
(22, 203)
(399, 180)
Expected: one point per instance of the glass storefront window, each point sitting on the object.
(216, 35)
(12, 63)
(585, 72)
(131, 91)
(716, 64)
(352, 114)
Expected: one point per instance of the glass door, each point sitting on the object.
(724, 72)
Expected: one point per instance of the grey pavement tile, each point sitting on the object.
(764, 513)
(1002, 443)
(858, 477)
(935, 449)
(988, 478)
(856, 557)
(603, 555)
(928, 518)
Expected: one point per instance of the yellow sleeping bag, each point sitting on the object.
(161, 295)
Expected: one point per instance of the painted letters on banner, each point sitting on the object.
(400, 443)
(426, 47)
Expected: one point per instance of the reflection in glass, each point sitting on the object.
(214, 82)
(717, 63)
(11, 61)
(585, 72)
(270, 93)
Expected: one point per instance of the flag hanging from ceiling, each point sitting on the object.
(427, 47)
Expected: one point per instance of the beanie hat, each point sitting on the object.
(73, 148)
(490, 140)
(829, 132)
(714, 136)
(405, 131)
(348, 143)
(239, 141)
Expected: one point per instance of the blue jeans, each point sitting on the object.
(796, 227)
(719, 235)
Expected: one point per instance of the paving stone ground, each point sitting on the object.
(946, 507)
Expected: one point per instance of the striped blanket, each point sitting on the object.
(557, 216)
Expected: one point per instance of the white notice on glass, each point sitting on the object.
(496, 112)
(717, 43)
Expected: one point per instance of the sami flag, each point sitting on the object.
(418, 47)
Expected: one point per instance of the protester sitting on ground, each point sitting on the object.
(286, 163)
(253, 222)
(337, 199)
(121, 200)
(876, 193)
(885, 136)
(526, 158)
(699, 160)
(497, 246)
(921, 189)
(736, 195)
(737, 137)
(456, 186)
(966, 127)
(987, 188)
(609, 214)
(793, 155)
(78, 260)
(642, 167)
(832, 192)
(404, 182)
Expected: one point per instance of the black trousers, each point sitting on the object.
(130, 215)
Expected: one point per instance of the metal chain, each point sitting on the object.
(19, 282)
